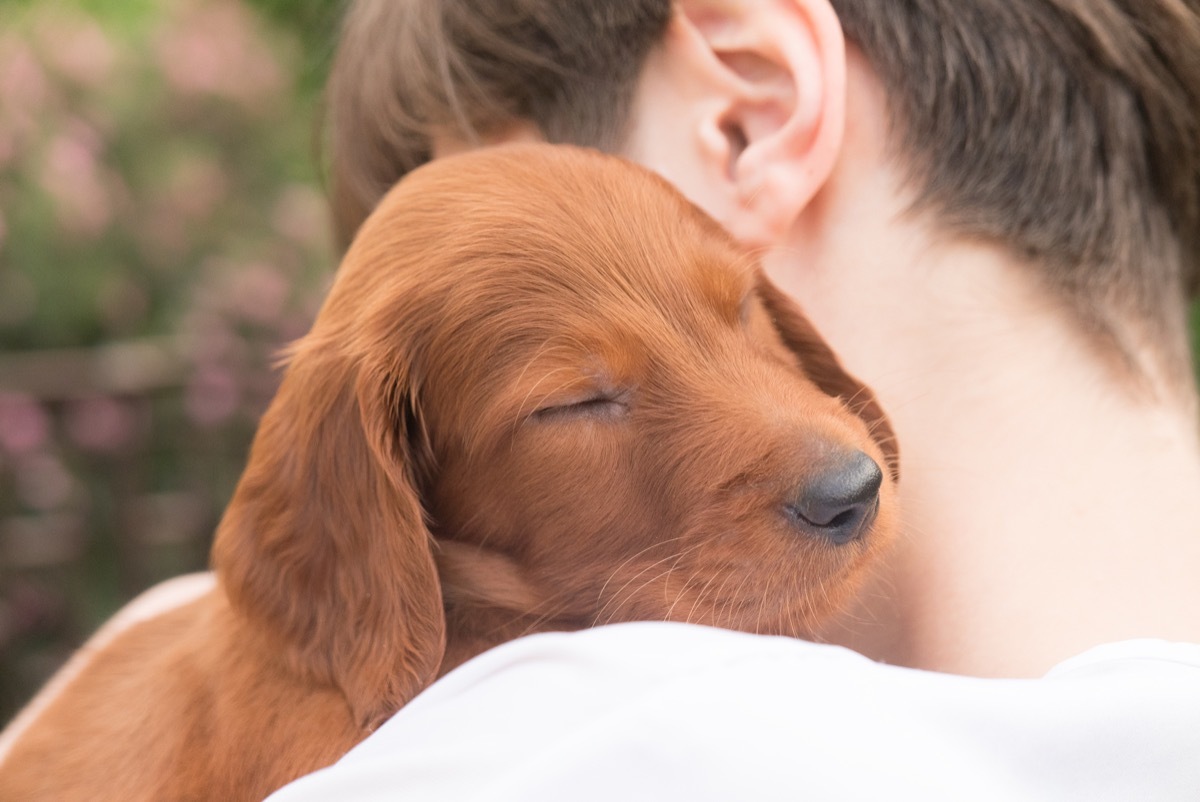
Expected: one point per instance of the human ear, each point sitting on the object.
(759, 86)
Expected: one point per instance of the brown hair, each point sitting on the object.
(1068, 130)
(408, 69)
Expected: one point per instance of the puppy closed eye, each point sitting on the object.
(599, 407)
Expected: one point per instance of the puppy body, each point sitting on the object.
(187, 706)
(545, 393)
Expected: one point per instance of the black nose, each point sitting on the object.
(841, 501)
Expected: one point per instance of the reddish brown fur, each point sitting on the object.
(404, 508)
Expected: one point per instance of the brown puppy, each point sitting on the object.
(545, 393)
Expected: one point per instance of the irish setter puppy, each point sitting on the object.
(545, 393)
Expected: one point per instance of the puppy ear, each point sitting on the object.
(325, 544)
(823, 368)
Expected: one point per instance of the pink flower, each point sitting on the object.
(76, 47)
(24, 89)
(212, 396)
(73, 177)
(100, 424)
(258, 293)
(24, 425)
(214, 48)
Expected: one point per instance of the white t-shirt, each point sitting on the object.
(655, 711)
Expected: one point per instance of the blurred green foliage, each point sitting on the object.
(162, 234)
(315, 25)
(1196, 336)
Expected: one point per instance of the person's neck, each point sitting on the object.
(1045, 509)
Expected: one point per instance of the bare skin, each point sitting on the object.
(1048, 507)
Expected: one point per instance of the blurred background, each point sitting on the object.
(163, 231)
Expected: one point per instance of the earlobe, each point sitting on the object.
(785, 82)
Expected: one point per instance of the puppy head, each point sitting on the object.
(621, 409)
(600, 404)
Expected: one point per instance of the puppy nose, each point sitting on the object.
(841, 501)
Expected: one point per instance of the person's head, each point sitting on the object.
(1066, 130)
(411, 73)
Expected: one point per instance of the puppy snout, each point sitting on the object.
(840, 501)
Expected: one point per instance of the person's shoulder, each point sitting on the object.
(644, 654)
(1131, 656)
(669, 711)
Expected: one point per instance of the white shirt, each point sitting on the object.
(655, 711)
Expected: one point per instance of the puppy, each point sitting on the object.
(545, 393)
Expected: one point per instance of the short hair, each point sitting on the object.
(407, 70)
(1067, 130)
